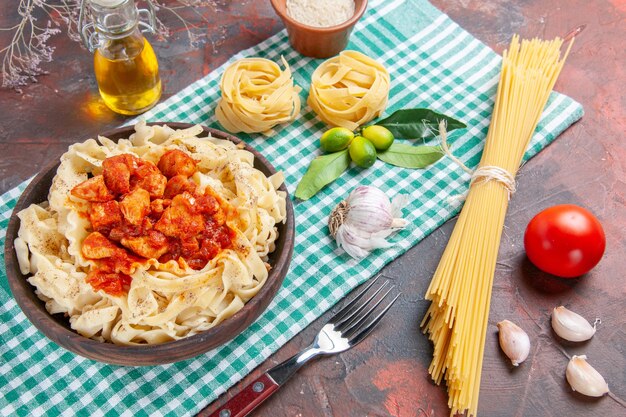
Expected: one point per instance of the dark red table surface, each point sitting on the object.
(387, 374)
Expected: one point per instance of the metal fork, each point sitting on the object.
(348, 327)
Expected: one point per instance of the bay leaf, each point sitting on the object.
(322, 171)
(407, 156)
(418, 123)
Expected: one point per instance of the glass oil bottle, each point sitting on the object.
(125, 65)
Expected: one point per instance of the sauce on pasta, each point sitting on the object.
(140, 211)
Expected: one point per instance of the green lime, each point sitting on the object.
(362, 152)
(336, 139)
(380, 137)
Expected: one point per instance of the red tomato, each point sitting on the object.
(564, 240)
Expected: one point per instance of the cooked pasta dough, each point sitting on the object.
(257, 96)
(62, 243)
(349, 90)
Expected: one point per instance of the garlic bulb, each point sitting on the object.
(571, 326)
(514, 342)
(584, 378)
(363, 221)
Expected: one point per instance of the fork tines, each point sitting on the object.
(359, 317)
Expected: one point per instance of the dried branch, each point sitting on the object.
(27, 48)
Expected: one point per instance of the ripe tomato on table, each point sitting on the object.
(565, 240)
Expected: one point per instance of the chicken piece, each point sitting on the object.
(158, 206)
(180, 218)
(190, 249)
(117, 171)
(93, 190)
(115, 284)
(196, 262)
(176, 162)
(148, 177)
(147, 224)
(153, 245)
(178, 185)
(189, 246)
(209, 249)
(97, 246)
(105, 216)
(207, 204)
(135, 206)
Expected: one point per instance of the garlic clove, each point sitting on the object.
(583, 378)
(571, 326)
(356, 243)
(514, 342)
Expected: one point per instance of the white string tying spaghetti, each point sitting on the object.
(485, 173)
(494, 173)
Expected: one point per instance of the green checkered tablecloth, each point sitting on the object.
(433, 63)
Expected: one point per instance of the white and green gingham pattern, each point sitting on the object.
(433, 63)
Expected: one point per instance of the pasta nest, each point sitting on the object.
(349, 90)
(256, 96)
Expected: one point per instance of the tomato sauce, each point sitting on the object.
(172, 221)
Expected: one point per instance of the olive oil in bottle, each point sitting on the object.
(125, 65)
(128, 75)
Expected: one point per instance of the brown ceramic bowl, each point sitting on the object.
(318, 42)
(57, 328)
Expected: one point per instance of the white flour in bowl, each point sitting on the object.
(320, 13)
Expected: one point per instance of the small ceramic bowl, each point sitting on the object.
(318, 42)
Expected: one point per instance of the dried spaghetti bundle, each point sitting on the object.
(460, 290)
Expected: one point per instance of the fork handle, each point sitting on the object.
(261, 388)
(248, 398)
